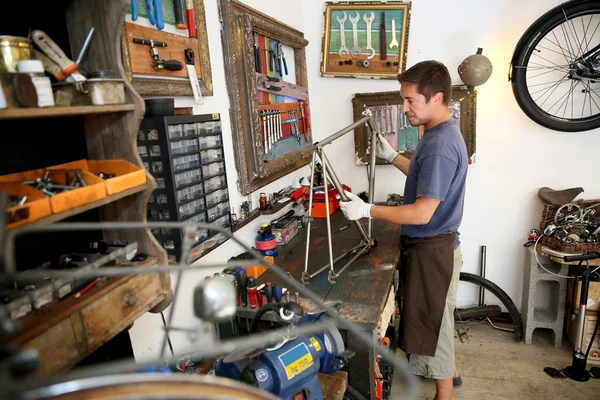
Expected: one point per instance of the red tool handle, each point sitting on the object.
(191, 22)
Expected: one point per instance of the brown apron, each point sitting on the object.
(426, 271)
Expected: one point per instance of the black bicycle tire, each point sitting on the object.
(353, 394)
(534, 34)
(502, 296)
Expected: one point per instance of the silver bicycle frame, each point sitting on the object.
(367, 241)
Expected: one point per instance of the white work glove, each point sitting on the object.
(355, 208)
(384, 149)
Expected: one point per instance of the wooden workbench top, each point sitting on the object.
(364, 286)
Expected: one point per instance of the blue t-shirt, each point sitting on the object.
(438, 169)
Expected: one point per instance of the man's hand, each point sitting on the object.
(384, 149)
(355, 208)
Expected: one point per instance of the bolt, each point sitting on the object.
(341, 62)
(80, 178)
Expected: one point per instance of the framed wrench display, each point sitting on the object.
(267, 84)
(391, 122)
(365, 39)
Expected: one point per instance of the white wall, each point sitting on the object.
(515, 156)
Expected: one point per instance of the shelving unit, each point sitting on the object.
(64, 332)
(18, 113)
(185, 156)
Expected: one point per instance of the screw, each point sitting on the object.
(341, 62)
(359, 63)
(395, 63)
(388, 64)
(80, 178)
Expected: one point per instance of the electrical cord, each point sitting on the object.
(535, 253)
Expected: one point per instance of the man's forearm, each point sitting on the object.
(410, 214)
(402, 163)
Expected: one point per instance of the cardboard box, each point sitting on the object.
(285, 231)
(593, 301)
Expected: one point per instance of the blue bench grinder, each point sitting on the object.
(289, 371)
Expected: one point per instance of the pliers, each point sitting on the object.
(281, 57)
(273, 59)
(154, 16)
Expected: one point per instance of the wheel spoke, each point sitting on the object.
(557, 44)
(550, 88)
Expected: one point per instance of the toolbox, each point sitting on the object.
(122, 175)
(184, 153)
(318, 207)
(285, 230)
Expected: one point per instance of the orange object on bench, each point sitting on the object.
(318, 207)
(36, 206)
(257, 270)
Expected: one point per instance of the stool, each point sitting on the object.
(551, 314)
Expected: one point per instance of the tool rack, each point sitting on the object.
(185, 156)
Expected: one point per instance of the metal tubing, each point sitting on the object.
(310, 201)
(341, 133)
(85, 46)
(327, 216)
(189, 234)
(336, 260)
(482, 274)
(360, 253)
(372, 163)
(343, 197)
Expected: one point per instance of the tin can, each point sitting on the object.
(12, 50)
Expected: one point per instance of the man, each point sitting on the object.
(430, 216)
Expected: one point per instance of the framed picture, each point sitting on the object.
(393, 125)
(365, 39)
(139, 63)
(265, 71)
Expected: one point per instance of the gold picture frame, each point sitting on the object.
(147, 85)
(240, 22)
(368, 28)
(462, 107)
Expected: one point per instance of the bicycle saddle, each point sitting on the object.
(558, 197)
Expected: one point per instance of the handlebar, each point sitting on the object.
(592, 255)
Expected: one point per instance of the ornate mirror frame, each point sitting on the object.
(239, 22)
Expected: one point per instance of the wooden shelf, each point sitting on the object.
(19, 113)
(86, 207)
(257, 213)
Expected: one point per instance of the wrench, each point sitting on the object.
(369, 21)
(271, 135)
(343, 49)
(355, 49)
(394, 42)
(266, 138)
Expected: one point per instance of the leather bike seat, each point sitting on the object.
(558, 197)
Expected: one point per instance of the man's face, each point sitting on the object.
(418, 111)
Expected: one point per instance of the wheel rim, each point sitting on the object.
(562, 69)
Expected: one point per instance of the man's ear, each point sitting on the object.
(439, 97)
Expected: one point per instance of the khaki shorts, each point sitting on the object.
(441, 366)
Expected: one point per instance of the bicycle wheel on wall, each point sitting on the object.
(556, 68)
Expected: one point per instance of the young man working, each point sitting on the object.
(430, 216)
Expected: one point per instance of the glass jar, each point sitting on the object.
(263, 201)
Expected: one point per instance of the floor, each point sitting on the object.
(493, 366)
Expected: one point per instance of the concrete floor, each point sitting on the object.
(493, 366)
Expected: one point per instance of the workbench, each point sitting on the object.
(364, 288)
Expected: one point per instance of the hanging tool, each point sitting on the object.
(257, 65)
(191, 69)
(382, 38)
(150, 12)
(394, 42)
(134, 10)
(343, 49)
(262, 80)
(179, 15)
(273, 60)
(159, 63)
(158, 13)
(281, 57)
(369, 21)
(191, 22)
(56, 55)
(354, 21)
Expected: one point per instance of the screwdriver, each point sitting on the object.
(240, 276)
(269, 292)
(277, 293)
(179, 15)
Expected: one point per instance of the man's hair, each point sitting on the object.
(430, 77)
